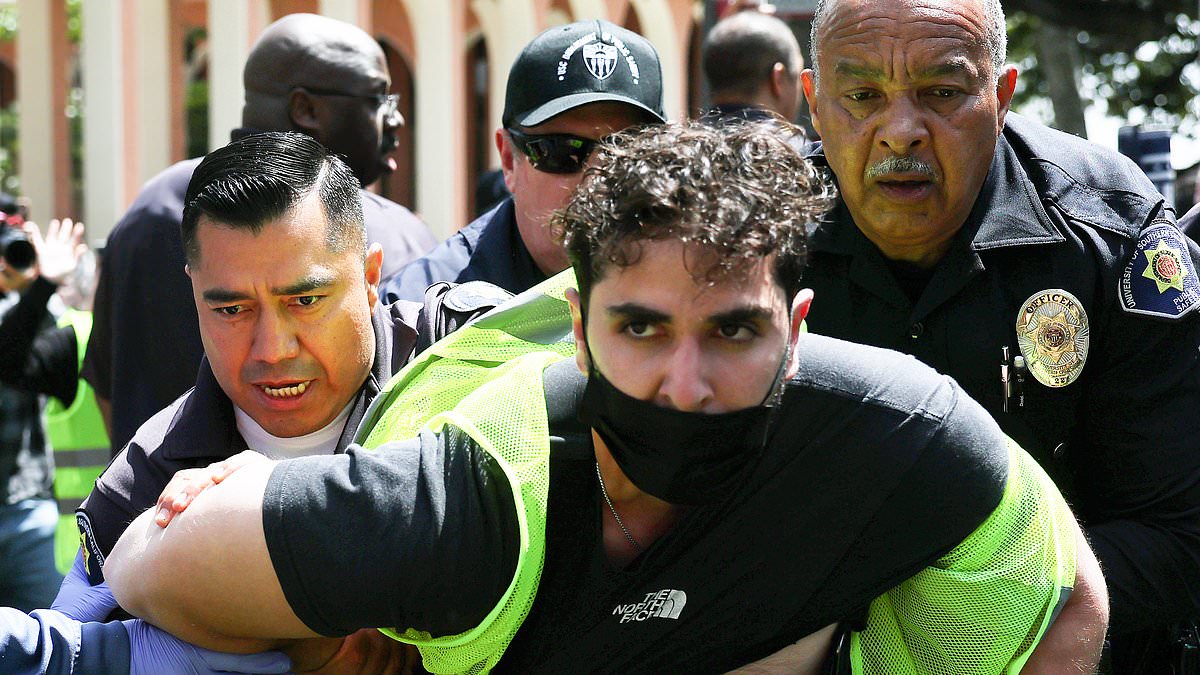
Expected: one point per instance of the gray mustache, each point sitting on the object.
(899, 164)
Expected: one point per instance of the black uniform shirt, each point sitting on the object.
(1123, 440)
(877, 467)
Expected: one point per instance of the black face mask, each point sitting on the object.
(679, 457)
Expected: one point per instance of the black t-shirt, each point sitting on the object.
(876, 467)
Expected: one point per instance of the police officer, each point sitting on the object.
(297, 347)
(569, 87)
(733, 491)
(307, 73)
(1045, 274)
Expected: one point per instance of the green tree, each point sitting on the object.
(1138, 56)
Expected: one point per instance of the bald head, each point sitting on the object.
(307, 49)
(327, 79)
(996, 31)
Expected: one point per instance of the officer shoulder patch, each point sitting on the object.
(93, 558)
(1160, 280)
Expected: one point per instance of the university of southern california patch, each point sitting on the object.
(93, 558)
(1160, 280)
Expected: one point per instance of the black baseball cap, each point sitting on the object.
(580, 63)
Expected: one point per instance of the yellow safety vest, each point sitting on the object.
(81, 448)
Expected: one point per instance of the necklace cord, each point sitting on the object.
(613, 509)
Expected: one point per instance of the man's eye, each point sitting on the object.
(860, 96)
(307, 300)
(943, 92)
(738, 332)
(637, 328)
(230, 310)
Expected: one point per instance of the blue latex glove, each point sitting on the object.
(79, 599)
(153, 651)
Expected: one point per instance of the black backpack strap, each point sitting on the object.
(449, 306)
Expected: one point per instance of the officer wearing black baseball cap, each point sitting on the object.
(571, 86)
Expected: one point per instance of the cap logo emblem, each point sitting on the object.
(1053, 334)
(599, 56)
(601, 59)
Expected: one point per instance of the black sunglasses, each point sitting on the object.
(554, 153)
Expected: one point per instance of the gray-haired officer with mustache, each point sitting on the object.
(1042, 272)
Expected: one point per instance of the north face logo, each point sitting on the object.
(664, 604)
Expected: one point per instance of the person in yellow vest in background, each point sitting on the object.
(39, 357)
(79, 440)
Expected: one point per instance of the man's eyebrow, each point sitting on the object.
(632, 310)
(748, 314)
(309, 283)
(223, 295)
(956, 66)
(862, 71)
(305, 285)
(858, 70)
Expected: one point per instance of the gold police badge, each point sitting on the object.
(1052, 332)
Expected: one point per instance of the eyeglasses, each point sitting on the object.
(388, 103)
(554, 153)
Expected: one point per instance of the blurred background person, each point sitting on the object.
(38, 358)
(752, 63)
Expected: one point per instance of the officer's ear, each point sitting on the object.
(504, 146)
(372, 271)
(577, 327)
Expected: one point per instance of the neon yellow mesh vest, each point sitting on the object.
(486, 379)
(80, 446)
(983, 606)
(980, 609)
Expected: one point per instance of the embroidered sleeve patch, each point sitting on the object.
(93, 557)
(1160, 280)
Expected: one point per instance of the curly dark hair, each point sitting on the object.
(740, 191)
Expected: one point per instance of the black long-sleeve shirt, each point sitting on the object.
(35, 358)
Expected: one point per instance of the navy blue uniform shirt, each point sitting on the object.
(489, 249)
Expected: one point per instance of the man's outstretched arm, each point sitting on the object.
(208, 578)
(1072, 644)
(392, 537)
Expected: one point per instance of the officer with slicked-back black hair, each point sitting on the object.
(307, 73)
